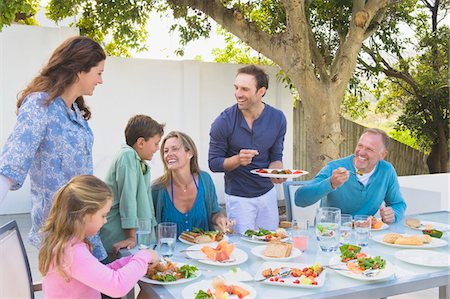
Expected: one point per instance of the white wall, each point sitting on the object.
(186, 95)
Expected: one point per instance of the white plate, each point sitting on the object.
(383, 227)
(279, 176)
(436, 225)
(288, 281)
(435, 243)
(388, 271)
(225, 238)
(190, 291)
(238, 254)
(259, 252)
(183, 280)
(424, 257)
(256, 241)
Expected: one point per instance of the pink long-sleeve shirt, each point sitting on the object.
(89, 277)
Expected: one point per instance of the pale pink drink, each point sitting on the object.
(300, 242)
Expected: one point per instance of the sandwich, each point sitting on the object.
(277, 249)
(200, 236)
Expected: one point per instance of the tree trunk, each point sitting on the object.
(437, 160)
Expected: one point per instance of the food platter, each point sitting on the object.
(426, 258)
(288, 281)
(259, 252)
(190, 291)
(238, 256)
(435, 243)
(259, 241)
(434, 225)
(385, 273)
(179, 281)
(225, 238)
(267, 173)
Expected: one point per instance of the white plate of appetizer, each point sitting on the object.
(168, 273)
(426, 258)
(276, 251)
(409, 241)
(192, 238)
(279, 173)
(352, 270)
(263, 236)
(218, 288)
(222, 254)
(291, 275)
(422, 224)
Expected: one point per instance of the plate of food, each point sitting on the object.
(223, 254)
(168, 272)
(426, 258)
(365, 268)
(423, 225)
(200, 236)
(296, 275)
(279, 173)
(422, 241)
(378, 224)
(276, 251)
(217, 288)
(263, 236)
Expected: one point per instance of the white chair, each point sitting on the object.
(292, 210)
(15, 274)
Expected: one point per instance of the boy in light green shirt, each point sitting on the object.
(129, 179)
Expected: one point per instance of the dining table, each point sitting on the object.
(407, 276)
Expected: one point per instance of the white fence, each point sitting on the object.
(186, 95)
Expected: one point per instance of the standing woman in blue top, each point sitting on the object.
(184, 194)
(52, 141)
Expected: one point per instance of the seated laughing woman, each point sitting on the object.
(184, 194)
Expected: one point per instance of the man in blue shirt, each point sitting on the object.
(249, 135)
(360, 183)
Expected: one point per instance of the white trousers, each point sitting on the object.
(253, 212)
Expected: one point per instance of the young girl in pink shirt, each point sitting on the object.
(65, 260)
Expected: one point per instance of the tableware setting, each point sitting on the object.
(328, 221)
(144, 233)
(167, 233)
(217, 256)
(296, 275)
(417, 224)
(434, 243)
(191, 291)
(363, 225)
(279, 173)
(341, 268)
(259, 252)
(299, 234)
(346, 228)
(427, 258)
(263, 236)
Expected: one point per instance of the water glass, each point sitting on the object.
(144, 233)
(328, 221)
(167, 234)
(346, 228)
(300, 234)
(363, 223)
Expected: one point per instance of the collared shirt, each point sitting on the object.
(52, 144)
(230, 133)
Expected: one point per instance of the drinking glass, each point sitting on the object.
(300, 234)
(167, 233)
(328, 221)
(346, 228)
(363, 223)
(144, 233)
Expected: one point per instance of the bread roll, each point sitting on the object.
(413, 240)
(391, 237)
(285, 224)
(425, 238)
(412, 222)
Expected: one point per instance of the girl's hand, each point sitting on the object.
(155, 258)
(127, 243)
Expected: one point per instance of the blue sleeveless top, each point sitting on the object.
(196, 217)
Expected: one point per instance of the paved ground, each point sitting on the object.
(23, 221)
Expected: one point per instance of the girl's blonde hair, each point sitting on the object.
(82, 195)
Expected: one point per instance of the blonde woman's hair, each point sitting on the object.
(189, 146)
(82, 195)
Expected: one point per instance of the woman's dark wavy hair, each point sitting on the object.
(76, 54)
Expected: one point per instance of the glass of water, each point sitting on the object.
(346, 228)
(167, 234)
(363, 223)
(328, 221)
(144, 233)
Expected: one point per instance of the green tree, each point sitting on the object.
(315, 43)
(19, 11)
(418, 85)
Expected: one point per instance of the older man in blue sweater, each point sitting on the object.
(360, 183)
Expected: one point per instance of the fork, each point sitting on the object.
(365, 273)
